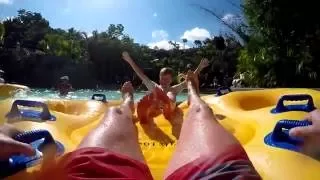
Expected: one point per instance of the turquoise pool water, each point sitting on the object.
(82, 94)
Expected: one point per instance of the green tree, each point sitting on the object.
(55, 44)
(198, 43)
(285, 37)
(101, 52)
(184, 43)
(115, 31)
(27, 29)
(95, 35)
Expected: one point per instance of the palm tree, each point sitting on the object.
(207, 41)
(198, 43)
(174, 44)
(184, 43)
(95, 35)
(240, 29)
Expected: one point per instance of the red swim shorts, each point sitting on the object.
(98, 163)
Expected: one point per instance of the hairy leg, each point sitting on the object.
(201, 134)
(117, 132)
(177, 116)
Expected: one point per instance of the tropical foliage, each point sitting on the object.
(30, 46)
(284, 44)
(271, 43)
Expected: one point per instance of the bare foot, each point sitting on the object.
(127, 94)
(193, 79)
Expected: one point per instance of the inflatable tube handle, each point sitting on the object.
(45, 114)
(278, 133)
(295, 97)
(221, 89)
(104, 99)
(31, 136)
(38, 139)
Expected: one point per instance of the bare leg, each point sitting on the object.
(201, 134)
(177, 117)
(176, 122)
(116, 132)
(171, 96)
(148, 108)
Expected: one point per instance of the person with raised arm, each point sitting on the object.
(149, 111)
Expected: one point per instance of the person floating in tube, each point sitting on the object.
(162, 99)
(64, 86)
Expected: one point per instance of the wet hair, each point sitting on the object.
(166, 71)
(189, 66)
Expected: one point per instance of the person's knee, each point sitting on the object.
(115, 111)
(171, 96)
(119, 112)
(200, 109)
(116, 116)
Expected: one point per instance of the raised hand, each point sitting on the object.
(204, 63)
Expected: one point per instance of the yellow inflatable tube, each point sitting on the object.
(159, 140)
(70, 128)
(70, 115)
(76, 118)
(245, 114)
(7, 90)
(153, 142)
(254, 108)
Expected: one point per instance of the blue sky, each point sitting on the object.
(150, 22)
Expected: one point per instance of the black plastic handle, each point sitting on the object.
(14, 112)
(221, 91)
(101, 97)
(279, 132)
(31, 136)
(38, 139)
(294, 97)
(280, 137)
